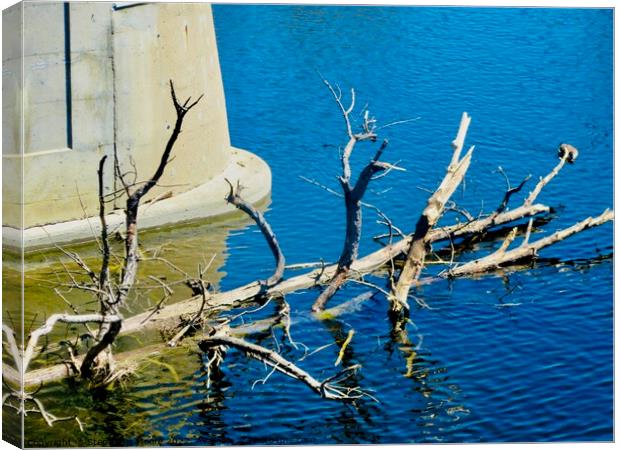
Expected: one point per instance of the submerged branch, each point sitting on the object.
(503, 256)
(326, 389)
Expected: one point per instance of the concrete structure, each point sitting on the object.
(93, 80)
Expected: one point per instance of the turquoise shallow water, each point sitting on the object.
(527, 356)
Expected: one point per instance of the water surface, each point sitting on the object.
(522, 356)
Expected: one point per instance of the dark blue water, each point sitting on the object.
(522, 356)
(531, 78)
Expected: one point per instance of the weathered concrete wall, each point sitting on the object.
(68, 123)
(153, 44)
(96, 83)
(12, 20)
(12, 292)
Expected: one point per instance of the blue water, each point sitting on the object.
(523, 356)
(530, 78)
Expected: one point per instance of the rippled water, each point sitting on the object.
(525, 356)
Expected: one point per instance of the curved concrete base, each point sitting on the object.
(204, 201)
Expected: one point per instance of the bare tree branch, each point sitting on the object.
(353, 195)
(22, 361)
(235, 199)
(104, 272)
(566, 153)
(510, 191)
(130, 265)
(327, 389)
(503, 256)
(192, 322)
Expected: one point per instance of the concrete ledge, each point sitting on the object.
(204, 201)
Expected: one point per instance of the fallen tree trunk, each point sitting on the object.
(130, 358)
(310, 279)
(416, 253)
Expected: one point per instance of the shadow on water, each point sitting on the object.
(440, 401)
(213, 386)
(355, 418)
(168, 255)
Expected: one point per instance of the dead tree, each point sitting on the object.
(116, 296)
(418, 248)
(111, 296)
(169, 314)
(353, 193)
(421, 240)
(367, 264)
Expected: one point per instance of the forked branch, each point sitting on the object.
(130, 265)
(22, 361)
(352, 194)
